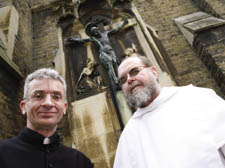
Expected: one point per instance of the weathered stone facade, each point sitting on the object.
(45, 39)
(188, 67)
(38, 43)
(22, 54)
(210, 47)
(11, 120)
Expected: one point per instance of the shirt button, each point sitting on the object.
(50, 165)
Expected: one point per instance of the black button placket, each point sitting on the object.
(47, 153)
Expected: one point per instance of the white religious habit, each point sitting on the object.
(182, 128)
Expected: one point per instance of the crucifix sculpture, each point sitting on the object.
(107, 55)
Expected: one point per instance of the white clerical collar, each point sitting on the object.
(46, 141)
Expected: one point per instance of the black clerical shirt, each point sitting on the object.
(31, 150)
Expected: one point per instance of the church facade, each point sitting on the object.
(185, 39)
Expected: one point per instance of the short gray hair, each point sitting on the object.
(40, 74)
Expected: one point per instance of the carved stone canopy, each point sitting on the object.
(94, 11)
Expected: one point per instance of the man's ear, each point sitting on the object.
(22, 107)
(65, 107)
(154, 71)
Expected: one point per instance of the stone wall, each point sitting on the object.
(45, 38)
(216, 8)
(210, 45)
(11, 119)
(4, 3)
(188, 67)
(22, 54)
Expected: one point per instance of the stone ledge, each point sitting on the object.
(204, 24)
(196, 22)
(46, 5)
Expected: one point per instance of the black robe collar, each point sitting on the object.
(37, 140)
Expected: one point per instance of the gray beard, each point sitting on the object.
(140, 98)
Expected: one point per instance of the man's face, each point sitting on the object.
(140, 89)
(45, 104)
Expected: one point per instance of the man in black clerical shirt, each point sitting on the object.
(38, 146)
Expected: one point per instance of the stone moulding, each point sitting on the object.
(196, 22)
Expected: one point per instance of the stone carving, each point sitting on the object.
(88, 79)
(130, 51)
(107, 55)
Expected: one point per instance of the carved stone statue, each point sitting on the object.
(129, 51)
(88, 79)
(107, 55)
